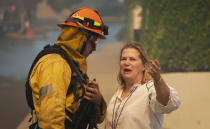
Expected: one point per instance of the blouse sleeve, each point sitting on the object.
(172, 105)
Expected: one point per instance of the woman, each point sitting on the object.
(140, 102)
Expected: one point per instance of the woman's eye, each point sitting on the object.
(123, 59)
(133, 59)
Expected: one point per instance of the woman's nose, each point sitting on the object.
(127, 62)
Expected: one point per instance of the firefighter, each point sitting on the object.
(54, 88)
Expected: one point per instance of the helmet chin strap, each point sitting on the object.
(88, 36)
(85, 43)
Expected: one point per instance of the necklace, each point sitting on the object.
(115, 116)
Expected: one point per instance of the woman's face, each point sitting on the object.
(131, 65)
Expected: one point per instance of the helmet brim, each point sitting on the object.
(97, 32)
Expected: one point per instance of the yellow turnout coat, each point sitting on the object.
(50, 79)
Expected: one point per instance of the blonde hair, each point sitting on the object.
(142, 55)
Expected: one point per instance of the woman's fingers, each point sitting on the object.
(155, 69)
(157, 62)
(155, 65)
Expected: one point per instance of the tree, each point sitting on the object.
(177, 33)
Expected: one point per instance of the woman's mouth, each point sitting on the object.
(127, 70)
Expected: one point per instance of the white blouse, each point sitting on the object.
(139, 109)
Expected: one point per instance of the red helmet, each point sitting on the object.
(88, 19)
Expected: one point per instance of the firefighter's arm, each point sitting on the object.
(54, 81)
(93, 94)
(101, 111)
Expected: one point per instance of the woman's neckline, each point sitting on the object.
(129, 91)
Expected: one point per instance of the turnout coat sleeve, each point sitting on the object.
(49, 80)
(101, 111)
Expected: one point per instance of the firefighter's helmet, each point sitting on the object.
(88, 19)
